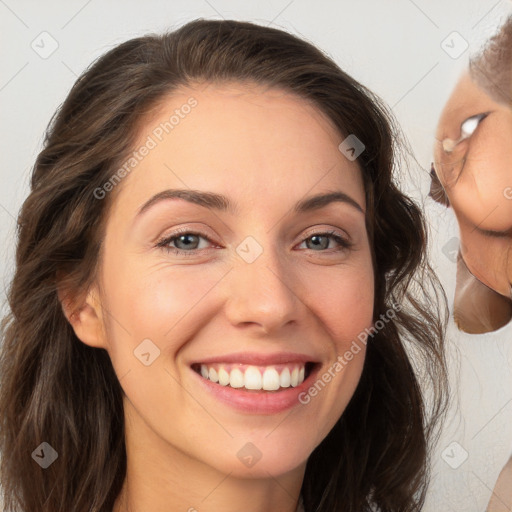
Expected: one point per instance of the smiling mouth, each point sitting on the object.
(269, 378)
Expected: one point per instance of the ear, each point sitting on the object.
(83, 311)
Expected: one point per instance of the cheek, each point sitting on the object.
(346, 306)
(344, 297)
(481, 191)
(346, 310)
(164, 299)
(157, 300)
(343, 304)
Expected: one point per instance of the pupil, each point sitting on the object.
(184, 237)
(316, 237)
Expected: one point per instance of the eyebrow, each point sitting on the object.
(220, 202)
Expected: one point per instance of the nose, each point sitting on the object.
(263, 293)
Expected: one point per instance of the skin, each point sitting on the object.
(501, 497)
(480, 189)
(266, 150)
(477, 308)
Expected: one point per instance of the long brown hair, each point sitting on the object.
(58, 390)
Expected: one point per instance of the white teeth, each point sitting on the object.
(236, 378)
(212, 375)
(253, 379)
(270, 379)
(294, 377)
(284, 379)
(223, 376)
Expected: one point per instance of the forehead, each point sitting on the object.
(250, 106)
(244, 137)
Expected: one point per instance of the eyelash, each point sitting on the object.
(164, 243)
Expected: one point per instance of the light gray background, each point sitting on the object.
(394, 48)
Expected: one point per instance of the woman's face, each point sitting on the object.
(257, 287)
(476, 174)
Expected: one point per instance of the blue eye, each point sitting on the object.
(343, 242)
(184, 236)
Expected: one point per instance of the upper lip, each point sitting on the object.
(259, 359)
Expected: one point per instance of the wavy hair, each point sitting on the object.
(58, 390)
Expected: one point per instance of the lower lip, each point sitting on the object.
(258, 402)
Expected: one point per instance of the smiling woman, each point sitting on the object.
(234, 322)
